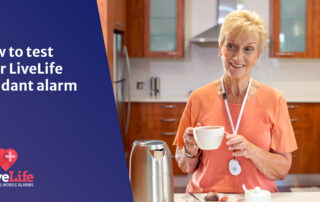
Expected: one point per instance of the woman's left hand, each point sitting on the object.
(240, 145)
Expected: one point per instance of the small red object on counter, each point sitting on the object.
(224, 199)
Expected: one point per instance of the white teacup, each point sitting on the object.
(208, 137)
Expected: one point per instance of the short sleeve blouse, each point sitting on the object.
(265, 122)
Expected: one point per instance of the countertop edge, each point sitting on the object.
(183, 99)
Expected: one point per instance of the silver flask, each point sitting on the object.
(150, 171)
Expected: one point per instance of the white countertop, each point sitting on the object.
(142, 98)
(275, 197)
(310, 99)
(293, 91)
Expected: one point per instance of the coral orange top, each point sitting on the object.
(265, 122)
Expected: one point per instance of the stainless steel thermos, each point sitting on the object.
(151, 174)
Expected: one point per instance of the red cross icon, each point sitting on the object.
(7, 158)
(10, 156)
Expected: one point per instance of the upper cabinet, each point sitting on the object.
(315, 28)
(295, 28)
(163, 28)
(119, 14)
(155, 28)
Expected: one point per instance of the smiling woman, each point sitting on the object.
(259, 137)
(242, 38)
(239, 55)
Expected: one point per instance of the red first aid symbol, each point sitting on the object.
(7, 158)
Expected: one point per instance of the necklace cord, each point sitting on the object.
(224, 94)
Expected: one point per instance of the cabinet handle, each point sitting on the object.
(284, 54)
(294, 120)
(294, 156)
(168, 106)
(293, 106)
(168, 133)
(296, 132)
(172, 53)
(119, 24)
(168, 120)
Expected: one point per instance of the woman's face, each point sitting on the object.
(239, 55)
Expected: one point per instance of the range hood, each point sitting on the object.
(211, 35)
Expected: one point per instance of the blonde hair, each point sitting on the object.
(244, 22)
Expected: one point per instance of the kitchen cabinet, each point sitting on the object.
(295, 28)
(119, 13)
(305, 118)
(161, 120)
(155, 28)
(315, 29)
(155, 121)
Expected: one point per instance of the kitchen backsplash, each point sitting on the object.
(201, 64)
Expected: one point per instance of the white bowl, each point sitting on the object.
(208, 137)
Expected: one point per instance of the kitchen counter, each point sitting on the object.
(159, 99)
(295, 91)
(275, 197)
(301, 99)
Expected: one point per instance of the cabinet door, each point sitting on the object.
(292, 24)
(305, 118)
(316, 29)
(163, 28)
(135, 27)
(119, 14)
(137, 127)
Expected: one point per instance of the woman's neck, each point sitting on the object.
(236, 87)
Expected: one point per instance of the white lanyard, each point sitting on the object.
(235, 130)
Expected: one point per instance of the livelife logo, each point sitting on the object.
(13, 178)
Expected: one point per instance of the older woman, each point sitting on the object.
(259, 137)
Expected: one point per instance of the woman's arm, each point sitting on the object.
(273, 165)
(188, 157)
(186, 164)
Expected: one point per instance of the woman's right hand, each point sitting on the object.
(189, 141)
